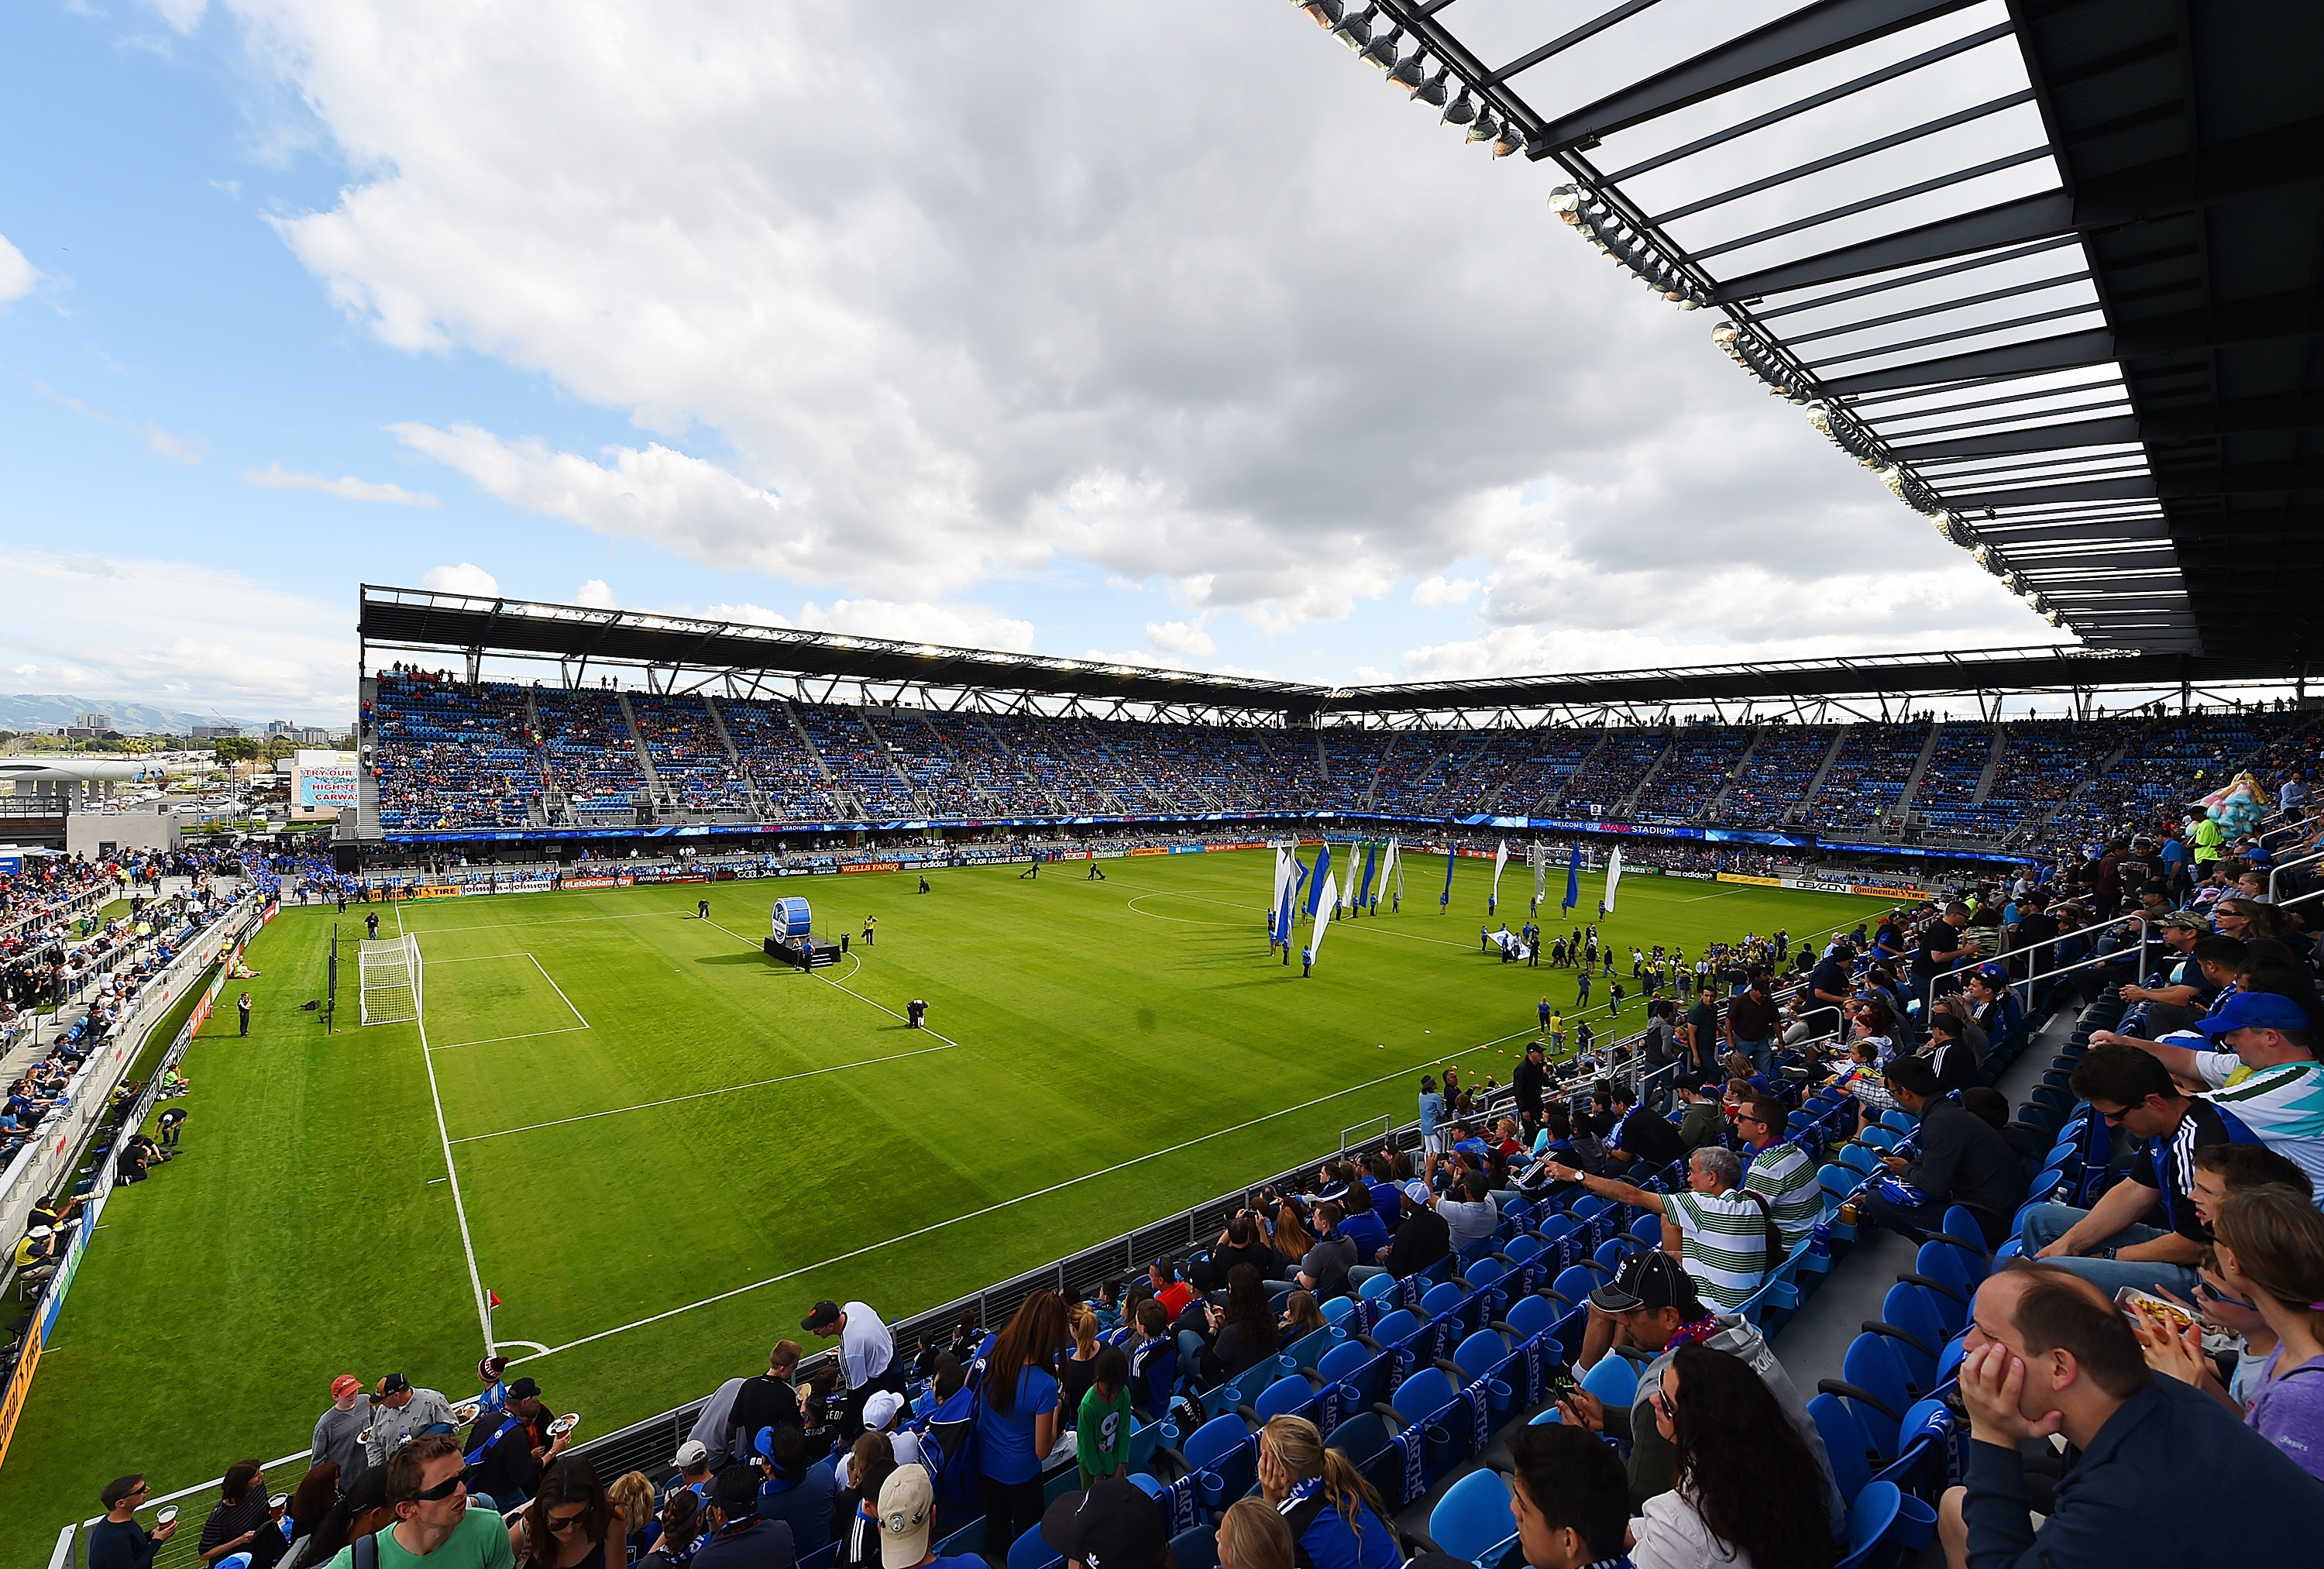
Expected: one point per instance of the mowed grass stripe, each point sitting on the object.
(308, 1231)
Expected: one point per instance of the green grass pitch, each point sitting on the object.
(667, 1145)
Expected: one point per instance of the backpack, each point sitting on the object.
(948, 1442)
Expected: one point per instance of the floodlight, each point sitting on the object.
(1407, 73)
(1380, 52)
(1356, 30)
(1462, 111)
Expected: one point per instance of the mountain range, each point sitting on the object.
(34, 711)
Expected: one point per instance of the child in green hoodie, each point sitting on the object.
(1102, 1429)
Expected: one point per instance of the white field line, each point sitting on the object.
(474, 958)
(494, 1039)
(705, 1095)
(1026, 1198)
(553, 986)
(459, 1206)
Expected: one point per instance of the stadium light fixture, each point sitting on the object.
(1380, 52)
(1483, 128)
(1462, 111)
(1511, 140)
(1355, 30)
(1431, 91)
(1411, 70)
(1326, 13)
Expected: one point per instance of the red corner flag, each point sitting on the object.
(492, 1298)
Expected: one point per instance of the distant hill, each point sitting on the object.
(30, 711)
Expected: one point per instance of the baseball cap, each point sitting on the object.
(906, 1502)
(821, 1318)
(2254, 1010)
(2187, 921)
(524, 1389)
(345, 1384)
(1650, 1280)
(691, 1454)
(880, 1409)
(394, 1384)
(1113, 1525)
(1417, 1192)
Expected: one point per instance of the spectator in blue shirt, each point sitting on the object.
(1336, 1519)
(1017, 1420)
(2048, 1353)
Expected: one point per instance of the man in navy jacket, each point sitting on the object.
(2165, 1473)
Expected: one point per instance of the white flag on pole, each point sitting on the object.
(1613, 877)
(1323, 921)
(1500, 859)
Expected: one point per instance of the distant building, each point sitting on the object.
(97, 723)
(281, 728)
(217, 733)
(315, 736)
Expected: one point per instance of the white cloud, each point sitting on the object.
(18, 276)
(902, 341)
(1434, 593)
(192, 635)
(1180, 637)
(596, 595)
(185, 16)
(466, 578)
(186, 449)
(950, 626)
(347, 487)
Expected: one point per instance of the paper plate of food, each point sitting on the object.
(565, 1423)
(466, 1411)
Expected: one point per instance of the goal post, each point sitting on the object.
(388, 976)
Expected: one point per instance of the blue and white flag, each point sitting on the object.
(1366, 894)
(1278, 902)
(1316, 883)
(1574, 877)
(1323, 923)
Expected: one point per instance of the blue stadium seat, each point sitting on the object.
(1844, 1442)
(1195, 1547)
(1286, 1397)
(1473, 1518)
(1029, 1551)
(1530, 1315)
(1221, 1453)
(1614, 1379)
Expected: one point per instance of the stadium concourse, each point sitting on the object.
(1755, 1288)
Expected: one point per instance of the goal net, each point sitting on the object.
(388, 976)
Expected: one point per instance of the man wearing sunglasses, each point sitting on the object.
(118, 1541)
(434, 1525)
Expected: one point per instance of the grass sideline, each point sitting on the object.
(658, 1190)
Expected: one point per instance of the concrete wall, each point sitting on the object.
(88, 834)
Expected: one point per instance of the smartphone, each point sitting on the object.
(1561, 1383)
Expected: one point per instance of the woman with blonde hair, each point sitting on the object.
(1334, 1514)
(633, 1499)
(1079, 1371)
(1301, 1315)
(1254, 1535)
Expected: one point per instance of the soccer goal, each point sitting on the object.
(388, 976)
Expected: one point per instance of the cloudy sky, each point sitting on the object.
(1084, 328)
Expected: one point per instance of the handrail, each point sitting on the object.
(2280, 867)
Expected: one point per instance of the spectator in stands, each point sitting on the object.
(1017, 1420)
(771, 1399)
(1652, 1307)
(680, 1524)
(867, 1356)
(1301, 1315)
(1243, 1244)
(735, 1536)
(1830, 989)
(399, 1411)
(118, 1541)
(1962, 1160)
(1289, 1235)
(1952, 1057)
(797, 1489)
(1639, 1133)
(429, 1497)
(2109, 1244)
(1723, 1233)
(1241, 1334)
(2047, 1353)
(1467, 1210)
(1569, 1498)
(1422, 1235)
(316, 1492)
(1939, 948)
(1751, 1022)
(1700, 1123)
(1746, 1490)
(1529, 1078)
(359, 1511)
(513, 1447)
(1780, 1171)
(2271, 1250)
(572, 1523)
(1324, 1269)
(340, 1429)
(2277, 1088)
(1335, 1516)
(1253, 1535)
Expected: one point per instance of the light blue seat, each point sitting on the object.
(1473, 1515)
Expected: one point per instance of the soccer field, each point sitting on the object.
(657, 1146)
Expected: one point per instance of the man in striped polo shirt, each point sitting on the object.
(1718, 1229)
(1780, 1171)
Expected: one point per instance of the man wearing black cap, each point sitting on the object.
(738, 1539)
(399, 1411)
(867, 1356)
(1651, 1309)
(508, 1449)
(1113, 1525)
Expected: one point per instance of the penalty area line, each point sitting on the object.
(835, 986)
(1023, 1198)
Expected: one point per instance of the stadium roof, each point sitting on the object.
(469, 626)
(2051, 266)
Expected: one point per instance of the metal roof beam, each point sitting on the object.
(1826, 28)
(2066, 351)
(2009, 223)
(1963, 303)
(2121, 427)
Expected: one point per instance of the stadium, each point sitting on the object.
(1512, 1120)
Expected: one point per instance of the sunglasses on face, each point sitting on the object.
(442, 1489)
(562, 1526)
(2205, 1288)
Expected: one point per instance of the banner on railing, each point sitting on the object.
(1746, 878)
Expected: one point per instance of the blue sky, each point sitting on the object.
(641, 305)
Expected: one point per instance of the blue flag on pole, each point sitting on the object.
(1573, 878)
(1316, 883)
(1445, 899)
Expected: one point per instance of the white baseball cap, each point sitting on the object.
(880, 1409)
